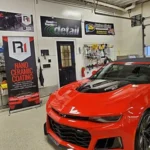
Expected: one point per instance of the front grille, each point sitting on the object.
(75, 136)
(71, 117)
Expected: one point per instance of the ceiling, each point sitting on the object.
(119, 5)
(122, 3)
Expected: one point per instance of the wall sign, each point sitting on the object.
(94, 28)
(57, 27)
(21, 71)
(16, 22)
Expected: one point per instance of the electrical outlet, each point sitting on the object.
(46, 66)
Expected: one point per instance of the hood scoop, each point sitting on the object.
(101, 86)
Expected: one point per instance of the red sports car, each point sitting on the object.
(110, 110)
(24, 99)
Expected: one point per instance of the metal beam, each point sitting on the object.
(143, 2)
(147, 17)
(143, 40)
(114, 16)
(107, 5)
(36, 1)
(147, 25)
(95, 5)
(130, 7)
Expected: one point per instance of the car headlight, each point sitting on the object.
(107, 119)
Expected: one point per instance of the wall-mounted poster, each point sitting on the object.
(57, 27)
(95, 28)
(16, 22)
(21, 72)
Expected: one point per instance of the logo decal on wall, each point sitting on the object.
(90, 27)
(19, 48)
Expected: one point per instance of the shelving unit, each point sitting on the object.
(95, 54)
(2, 77)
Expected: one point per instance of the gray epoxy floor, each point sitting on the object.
(24, 130)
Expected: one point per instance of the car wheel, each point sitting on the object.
(45, 131)
(142, 140)
(25, 103)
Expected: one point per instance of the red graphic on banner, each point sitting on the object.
(5, 39)
(25, 47)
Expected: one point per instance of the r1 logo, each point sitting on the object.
(26, 20)
(19, 46)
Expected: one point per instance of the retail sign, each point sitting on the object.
(16, 22)
(57, 27)
(95, 28)
(21, 71)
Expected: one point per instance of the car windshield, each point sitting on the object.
(136, 74)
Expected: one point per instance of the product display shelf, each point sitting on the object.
(3, 91)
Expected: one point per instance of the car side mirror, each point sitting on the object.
(94, 72)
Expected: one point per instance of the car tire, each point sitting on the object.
(142, 139)
(45, 131)
(25, 103)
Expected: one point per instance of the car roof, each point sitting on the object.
(134, 60)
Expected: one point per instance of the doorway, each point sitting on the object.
(66, 62)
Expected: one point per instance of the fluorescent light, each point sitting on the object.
(70, 13)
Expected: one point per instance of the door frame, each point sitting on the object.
(75, 49)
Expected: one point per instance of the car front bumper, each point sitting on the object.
(97, 131)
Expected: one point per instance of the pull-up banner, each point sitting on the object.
(95, 28)
(21, 72)
(16, 22)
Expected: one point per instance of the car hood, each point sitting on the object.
(112, 98)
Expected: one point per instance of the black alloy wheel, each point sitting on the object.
(142, 141)
(25, 103)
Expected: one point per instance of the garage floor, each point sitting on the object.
(24, 130)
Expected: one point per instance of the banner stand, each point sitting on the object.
(24, 109)
(21, 73)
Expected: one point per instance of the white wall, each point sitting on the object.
(132, 37)
(56, 10)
